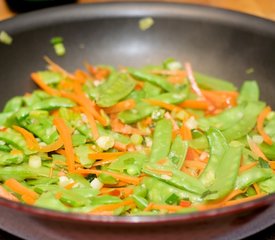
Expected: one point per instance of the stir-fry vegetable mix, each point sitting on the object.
(161, 139)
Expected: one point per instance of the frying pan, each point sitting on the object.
(216, 42)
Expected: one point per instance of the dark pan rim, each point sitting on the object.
(85, 12)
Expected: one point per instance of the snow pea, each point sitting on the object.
(173, 97)
(268, 150)
(224, 120)
(159, 191)
(178, 178)
(249, 92)
(117, 136)
(218, 146)
(140, 201)
(117, 87)
(151, 78)
(151, 90)
(246, 123)
(53, 103)
(13, 104)
(15, 139)
(213, 83)
(268, 185)
(50, 78)
(226, 174)
(162, 139)
(10, 159)
(178, 152)
(251, 176)
(4, 117)
(24, 171)
(82, 152)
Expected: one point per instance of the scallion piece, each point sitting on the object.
(5, 38)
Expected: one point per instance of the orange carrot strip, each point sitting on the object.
(257, 189)
(121, 177)
(195, 164)
(7, 195)
(162, 104)
(169, 173)
(256, 150)
(233, 194)
(260, 125)
(246, 167)
(80, 76)
(120, 146)
(52, 147)
(28, 199)
(195, 104)
(70, 185)
(113, 206)
(169, 72)
(17, 187)
(105, 155)
(56, 68)
(121, 106)
(242, 200)
(170, 208)
(185, 132)
(118, 126)
(92, 123)
(65, 135)
(30, 139)
(37, 79)
(103, 162)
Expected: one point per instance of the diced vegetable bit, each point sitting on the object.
(146, 23)
(58, 46)
(149, 141)
(5, 38)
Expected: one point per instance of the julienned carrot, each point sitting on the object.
(257, 189)
(7, 195)
(169, 208)
(121, 177)
(243, 200)
(260, 125)
(30, 139)
(92, 122)
(256, 150)
(195, 164)
(65, 135)
(28, 199)
(233, 194)
(80, 76)
(105, 155)
(52, 147)
(195, 104)
(121, 106)
(164, 172)
(185, 132)
(37, 79)
(56, 68)
(120, 147)
(113, 206)
(246, 167)
(17, 187)
(164, 105)
(192, 80)
(118, 126)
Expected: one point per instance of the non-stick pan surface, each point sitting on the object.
(216, 42)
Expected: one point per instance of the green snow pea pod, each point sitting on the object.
(82, 152)
(4, 117)
(13, 104)
(178, 152)
(48, 200)
(172, 97)
(117, 87)
(78, 139)
(35, 97)
(159, 191)
(226, 174)
(140, 201)
(177, 178)
(246, 123)
(268, 150)
(162, 139)
(151, 90)
(15, 139)
(270, 128)
(128, 161)
(141, 111)
(218, 146)
(41, 127)
(224, 120)
(251, 176)
(24, 171)
(5, 148)
(117, 136)
(53, 103)
(50, 78)
(105, 199)
(106, 179)
(9, 159)
(212, 83)
(82, 182)
(249, 92)
(151, 78)
(42, 181)
(268, 185)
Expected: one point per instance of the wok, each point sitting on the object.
(216, 42)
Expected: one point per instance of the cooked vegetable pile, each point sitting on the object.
(157, 140)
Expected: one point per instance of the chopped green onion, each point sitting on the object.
(35, 161)
(5, 38)
(56, 40)
(172, 64)
(59, 49)
(173, 199)
(105, 142)
(146, 23)
(249, 71)
(136, 139)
